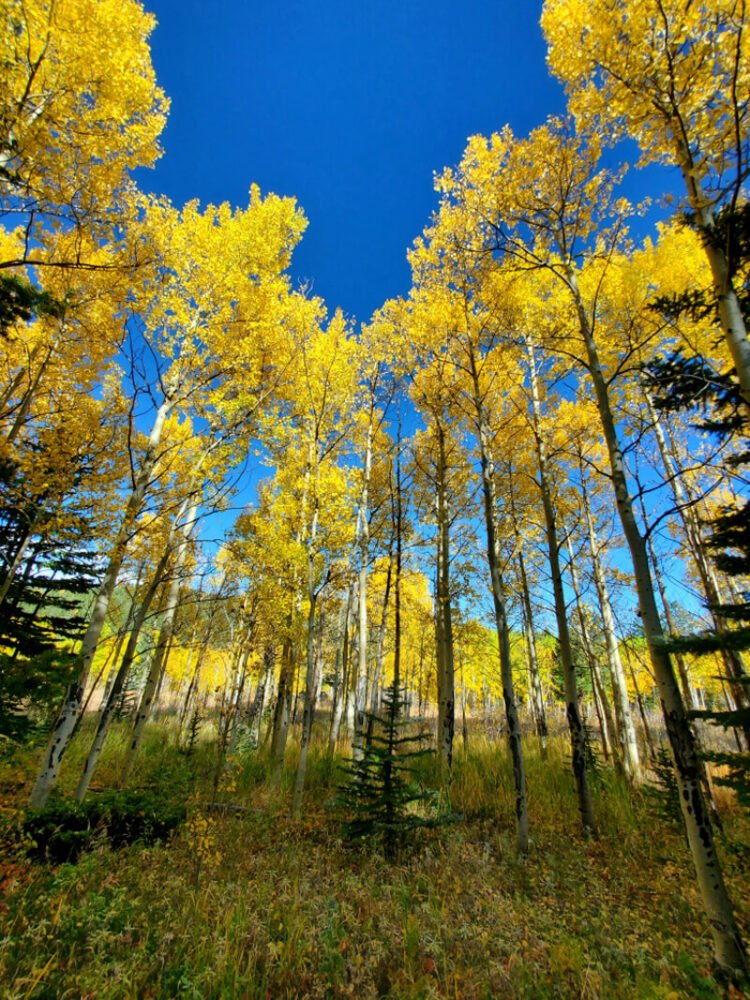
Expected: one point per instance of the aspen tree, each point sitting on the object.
(436, 460)
(673, 76)
(158, 657)
(444, 308)
(80, 108)
(540, 203)
(203, 293)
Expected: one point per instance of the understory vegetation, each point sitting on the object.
(243, 901)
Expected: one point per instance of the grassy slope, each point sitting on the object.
(252, 905)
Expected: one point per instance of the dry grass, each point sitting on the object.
(252, 905)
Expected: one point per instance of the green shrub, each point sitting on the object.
(63, 829)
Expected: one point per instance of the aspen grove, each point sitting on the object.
(411, 655)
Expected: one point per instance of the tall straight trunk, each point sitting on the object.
(109, 705)
(283, 710)
(606, 727)
(342, 672)
(193, 678)
(123, 633)
(67, 719)
(359, 686)
(24, 409)
(732, 658)
(443, 611)
(308, 713)
(625, 728)
(21, 376)
(158, 659)
(535, 681)
(235, 702)
(601, 701)
(649, 740)
(380, 653)
(498, 602)
(572, 711)
(254, 714)
(682, 672)
(730, 311)
(728, 946)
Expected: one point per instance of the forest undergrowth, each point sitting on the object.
(243, 901)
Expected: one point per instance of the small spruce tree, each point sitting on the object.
(376, 799)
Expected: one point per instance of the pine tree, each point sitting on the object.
(42, 608)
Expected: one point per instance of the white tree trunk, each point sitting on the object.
(728, 947)
(625, 728)
(158, 660)
(69, 714)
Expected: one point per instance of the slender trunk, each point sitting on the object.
(535, 681)
(601, 701)
(728, 947)
(359, 685)
(390, 837)
(342, 673)
(17, 558)
(109, 705)
(501, 618)
(283, 710)
(67, 719)
(25, 407)
(577, 734)
(443, 611)
(691, 525)
(641, 709)
(236, 700)
(730, 311)
(625, 728)
(158, 659)
(254, 715)
(310, 680)
(380, 654)
(309, 707)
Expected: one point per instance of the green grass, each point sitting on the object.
(249, 904)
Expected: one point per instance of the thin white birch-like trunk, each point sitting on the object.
(377, 679)
(342, 672)
(67, 719)
(283, 709)
(308, 711)
(255, 712)
(535, 681)
(501, 618)
(158, 660)
(109, 705)
(527, 617)
(601, 702)
(575, 725)
(443, 611)
(730, 312)
(625, 728)
(359, 686)
(691, 525)
(17, 560)
(25, 407)
(728, 947)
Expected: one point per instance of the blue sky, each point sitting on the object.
(349, 107)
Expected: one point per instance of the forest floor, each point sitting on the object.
(248, 903)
